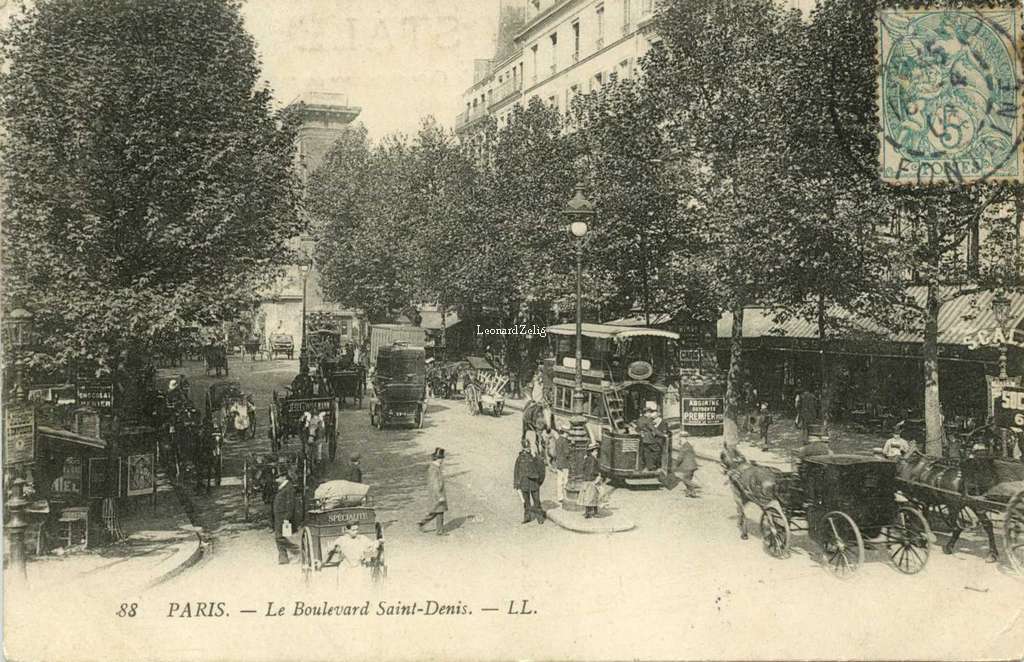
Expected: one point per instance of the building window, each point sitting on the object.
(533, 51)
(536, 4)
(598, 80)
(600, 27)
(626, 11)
(648, 7)
(343, 327)
(625, 71)
(576, 41)
(553, 102)
(554, 52)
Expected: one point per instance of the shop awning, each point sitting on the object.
(611, 331)
(960, 318)
(60, 435)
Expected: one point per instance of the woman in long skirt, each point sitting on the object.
(590, 475)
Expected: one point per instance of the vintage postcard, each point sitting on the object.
(512, 330)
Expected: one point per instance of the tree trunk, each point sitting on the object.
(733, 385)
(930, 355)
(825, 386)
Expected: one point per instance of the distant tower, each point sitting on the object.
(325, 117)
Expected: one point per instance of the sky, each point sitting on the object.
(398, 60)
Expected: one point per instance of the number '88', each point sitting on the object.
(128, 609)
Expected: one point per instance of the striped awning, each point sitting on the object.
(959, 319)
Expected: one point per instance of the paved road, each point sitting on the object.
(681, 585)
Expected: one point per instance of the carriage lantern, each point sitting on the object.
(579, 212)
(1001, 311)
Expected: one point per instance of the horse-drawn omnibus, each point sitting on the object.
(624, 368)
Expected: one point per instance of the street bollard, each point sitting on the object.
(16, 527)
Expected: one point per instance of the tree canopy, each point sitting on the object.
(149, 183)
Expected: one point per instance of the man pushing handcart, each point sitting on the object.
(341, 531)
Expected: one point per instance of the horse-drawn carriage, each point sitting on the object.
(484, 392)
(966, 493)
(846, 503)
(399, 385)
(252, 346)
(291, 416)
(216, 356)
(336, 370)
(260, 471)
(336, 506)
(281, 344)
(231, 410)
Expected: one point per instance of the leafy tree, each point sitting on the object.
(721, 74)
(620, 133)
(926, 225)
(149, 184)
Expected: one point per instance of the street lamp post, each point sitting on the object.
(579, 211)
(18, 326)
(1001, 311)
(305, 265)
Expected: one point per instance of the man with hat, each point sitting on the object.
(351, 471)
(435, 487)
(285, 508)
(653, 437)
(527, 477)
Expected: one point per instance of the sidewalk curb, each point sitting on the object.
(189, 554)
(569, 523)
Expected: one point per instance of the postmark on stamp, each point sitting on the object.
(950, 95)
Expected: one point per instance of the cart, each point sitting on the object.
(969, 492)
(286, 418)
(324, 524)
(281, 344)
(399, 386)
(224, 398)
(260, 470)
(846, 503)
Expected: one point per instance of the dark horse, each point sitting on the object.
(954, 508)
(536, 417)
(751, 483)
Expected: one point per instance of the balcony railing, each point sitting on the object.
(509, 88)
(469, 116)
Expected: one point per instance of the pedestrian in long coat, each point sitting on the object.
(807, 413)
(687, 467)
(527, 478)
(590, 475)
(435, 488)
(286, 505)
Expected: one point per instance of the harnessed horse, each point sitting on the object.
(750, 483)
(536, 417)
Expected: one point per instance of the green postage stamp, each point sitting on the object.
(950, 95)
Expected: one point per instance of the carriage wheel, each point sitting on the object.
(306, 553)
(1013, 532)
(842, 545)
(245, 490)
(775, 532)
(906, 541)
